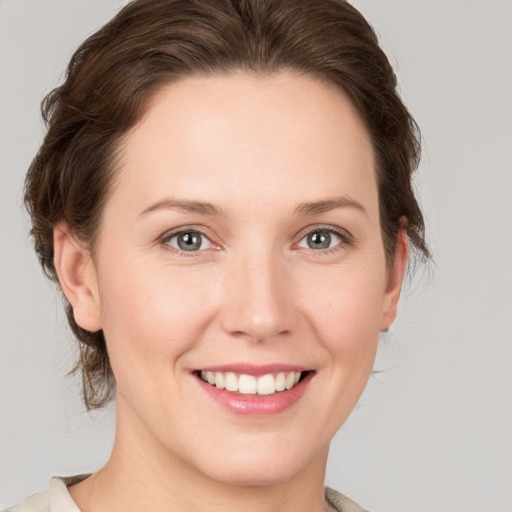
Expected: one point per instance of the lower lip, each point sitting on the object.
(257, 405)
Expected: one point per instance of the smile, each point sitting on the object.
(245, 384)
(255, 390)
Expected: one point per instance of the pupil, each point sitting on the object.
(319, 240)
(189, 241)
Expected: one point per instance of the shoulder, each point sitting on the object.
(340, 502)
(34, 503)
(56, 499)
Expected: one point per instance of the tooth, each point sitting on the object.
(219, 380)
(247, 384)
(250, 385)
(231, 382)
(290, 378)
(266, 385)
(280, 382)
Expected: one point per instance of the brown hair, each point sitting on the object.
(150, 43)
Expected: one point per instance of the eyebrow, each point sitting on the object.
(205, 208)
(326, 205)
(202, 208)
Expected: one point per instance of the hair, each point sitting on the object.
(150, 43)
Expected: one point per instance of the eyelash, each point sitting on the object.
(346, 239)
(181, 231)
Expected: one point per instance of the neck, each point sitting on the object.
(141, 474)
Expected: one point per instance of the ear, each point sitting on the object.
(77, 277)
(394, 280)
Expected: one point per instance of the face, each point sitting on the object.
(241, 244)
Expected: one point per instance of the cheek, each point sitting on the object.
(151, 315)
(346, 312)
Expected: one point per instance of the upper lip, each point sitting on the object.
(253, 369)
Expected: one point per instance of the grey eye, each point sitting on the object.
(189, 241)
(320, 240)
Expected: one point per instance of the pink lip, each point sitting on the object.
(256, 405)
(255, 370)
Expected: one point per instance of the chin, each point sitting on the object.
(265, 466)
(266, 475)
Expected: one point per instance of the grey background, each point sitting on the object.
(433, 433)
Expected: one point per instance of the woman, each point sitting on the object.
(224, 197)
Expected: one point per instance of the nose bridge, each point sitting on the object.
(259, 304)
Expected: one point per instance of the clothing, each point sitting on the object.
(58, 499)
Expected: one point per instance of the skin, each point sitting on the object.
(256, 148)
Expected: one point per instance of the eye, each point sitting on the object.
(320, 240)
(189, 241)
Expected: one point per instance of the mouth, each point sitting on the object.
(255, 390)
(249, 384)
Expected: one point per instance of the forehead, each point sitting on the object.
(251, 134)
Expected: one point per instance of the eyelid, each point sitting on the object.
(347, 238)
(166, 237)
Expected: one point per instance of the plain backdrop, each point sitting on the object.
(433, 430)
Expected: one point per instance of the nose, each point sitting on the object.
(259, 302)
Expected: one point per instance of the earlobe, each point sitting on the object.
(77, 278)
(394, 281)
